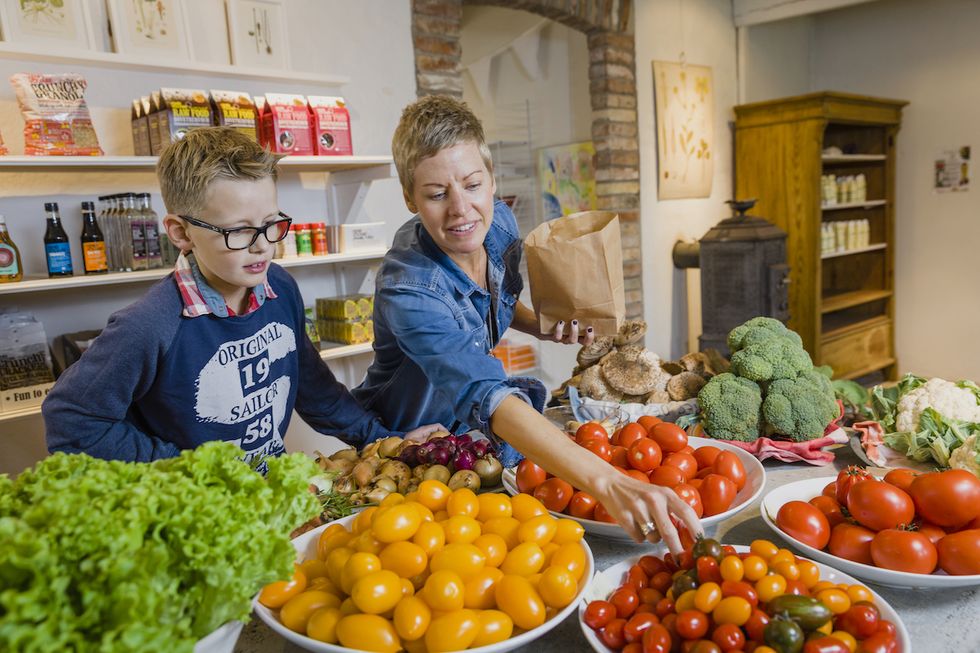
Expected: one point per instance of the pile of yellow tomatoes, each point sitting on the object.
(435, 570)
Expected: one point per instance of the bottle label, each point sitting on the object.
(152, 240)
(59, 258)
(139, 240)
(8, 261)
(94, 254)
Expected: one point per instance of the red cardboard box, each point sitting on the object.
(286, 126)
(331, 125)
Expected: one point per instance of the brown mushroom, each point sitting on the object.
(685, 385)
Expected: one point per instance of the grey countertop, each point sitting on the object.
(940, 621)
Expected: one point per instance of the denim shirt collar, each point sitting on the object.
(215, 300)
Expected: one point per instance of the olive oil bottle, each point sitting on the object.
(11, 269)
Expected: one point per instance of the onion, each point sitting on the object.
(464, 478)
(489, 470)
(464, 460)
(409, 455)
(440, 456)
(463, 439)
(480, 448)
(438, 473)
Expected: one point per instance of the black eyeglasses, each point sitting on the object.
(244, 237)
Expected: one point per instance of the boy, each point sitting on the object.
(218, 349)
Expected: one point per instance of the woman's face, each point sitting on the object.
(454, 197)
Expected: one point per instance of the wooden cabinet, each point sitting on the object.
(842, 303)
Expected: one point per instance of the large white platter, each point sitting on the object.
(305, 546)
(807, 489)
(608, 580)
(755, 480)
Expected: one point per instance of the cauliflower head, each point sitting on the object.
(760, 325)
(766, 355)
(951, 400)
(730, 408)
(800, 407)
(967, 456)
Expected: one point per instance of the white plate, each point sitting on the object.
(809, 488)
(755, 480)
(305, 546)
(608, 580)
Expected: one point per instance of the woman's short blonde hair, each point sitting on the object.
(188, 167)
(430, 125)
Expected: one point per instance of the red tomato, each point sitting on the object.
(626, 601)
(637, 474)
(728, 637)
(665, 607)
(630, 434)
(804, 522)
(846, 479)
(825, 644)
(756, 624)
(601, 514)
(692, 624)
(880, 642)
(612, 635)
(830, 509)
(644, 454)
(600, 447)
(959, 553)
(933, 532)
(529, 476)
(851, 542)
(651, 565)
(797, 587)
(656, 639)
(830, 490)
(667, 476)
(947, 498)
(860, 620)
(728, 464)
(704, 471)
(670, 437)
(639, 624)
(632, 647)
(688, 449)
(582, 505)
(740, 588)
(598, 614)
(590, 431)
(885, 626)
(904, 551)
(696, 483)
(879, 505)
(619, 456)
(691, 497)
(718, 493)
(707, 569)
(648, 422)
(706, 455)
(901, 478)
(637, 578)
(684, 462)
(554, 493)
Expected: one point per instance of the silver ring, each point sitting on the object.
(647, 528)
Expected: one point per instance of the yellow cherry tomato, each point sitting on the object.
(523, 560)
(826, 628)
(347, 607)
(454, 631)
(368, 632)
(493, 547)
(362, 521)
(333, 536)
(732, 568)
(322, 625)
(572, 557)
(549, 552)
(336, 560)
(557, 587)
(754, 567)
(461, 529)
(707, 596)
(732, 610)
(788, 570)
(859, 593)
(495, 627)
(764, 649)
(434, 495)
(769, 587)
(444, 591)
(297, 611)
(440, 515)
(821, 585)
(412, 617)
(568, 530)
(847, 638)
(366, 542)
(406, 559)
(396, 524)
(809, 573)
(377, 592)
(505, 527)
(834, 598)
(520, 601)
(764, 549)
(685, 601)
(493, 505)
(359, 565)
(408, 588)
(424, 512)
(392, 499)
(525, 507)
(274, 595)
(478, 593)
(463, 502)
(430, 537)
(540, 530)
(313, 568)
(465, 559)
(782, 555)
(324, 584)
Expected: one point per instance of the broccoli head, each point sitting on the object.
(760, 326)
(800, 408)
(766, 355)
(730, 408)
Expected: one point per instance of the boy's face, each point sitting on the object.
(454, 197)
(230, 203)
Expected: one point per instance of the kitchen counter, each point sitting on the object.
(940, 621)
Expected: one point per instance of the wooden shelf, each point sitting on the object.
(343, 351)
(20, 414)
(873, 366)
(855, 327)
(854, 205)
(114, 278)
(860, 250)
(18, 163)
(849, 299)
(852, 158)
(184, 68)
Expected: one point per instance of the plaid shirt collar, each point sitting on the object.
(201, 299)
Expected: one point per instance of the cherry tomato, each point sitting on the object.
(590, 431)
(684, 462)
(620, 456)
(700, 646)
(717, 494)
(830, 490)
(879, 505)
(756, 625)
(554, 493)
(860, 620)
(804, 522)
(947, 498)
(274, 595)
(630, 434)
(959, 553)
(708, 570)
(637, 578)
(904, 551)
(851, 542)
(626, 601)
(826, 644)
(728, 637)
(901, 478)
(670, 437)
(648, 421)
(517, 598)
(637, 474)
(651, 565)
(661, 581)
(600, 447)
(691, 497)
(612, 635)
(933, 532)
(529, 476)
(601, 514)
(830, 509)
(846, 479)
(880, 642)
(666, 476)
(639, 624)
(644, 454)
(706, 455)
(598, 614)
(582, 505)
(657, 639)
(692, 624)
(885, 626)
(728, 464)
(740, 588)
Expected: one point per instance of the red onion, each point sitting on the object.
(480, 448)
(439, 456)
(464, 460)
(463, 439)
(409, 455)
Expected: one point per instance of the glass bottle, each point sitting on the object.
(11, 268)
(151, 227)
(131, 217)
(57, 250)
(93, 242)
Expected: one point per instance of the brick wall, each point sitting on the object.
(612, 83)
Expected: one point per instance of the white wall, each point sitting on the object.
(762, 75)
(326, 36)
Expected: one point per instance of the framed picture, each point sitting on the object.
(567, 177)
(685, 130)
(150, 27)
(257, 33)
(50, 24)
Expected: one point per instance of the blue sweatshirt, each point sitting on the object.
(156, 382)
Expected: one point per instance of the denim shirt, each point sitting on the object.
(432, 361)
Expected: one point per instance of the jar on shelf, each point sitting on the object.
(304, 240)
(319, 233)
(289, 243)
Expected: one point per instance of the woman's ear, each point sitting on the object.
(409, 202)
(177, 232)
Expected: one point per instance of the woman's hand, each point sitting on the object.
(423, 433)
(575, 335)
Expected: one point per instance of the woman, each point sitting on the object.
(445, 293)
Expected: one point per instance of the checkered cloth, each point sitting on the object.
(194, 303)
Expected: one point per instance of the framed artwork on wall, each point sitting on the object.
(150, 27)
(49, 24)
(684, 101)
(257, 33)
(566, 174)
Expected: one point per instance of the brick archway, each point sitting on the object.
(612, 83)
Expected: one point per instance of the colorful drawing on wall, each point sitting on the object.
(47, 23)
(953, 170)
(685, 134)
(567, 177)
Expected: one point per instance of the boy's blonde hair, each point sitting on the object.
(189, 166)
(429, 125)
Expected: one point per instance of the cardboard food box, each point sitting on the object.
(235, 109)
(152, 113)
(286, 127)
(141, 143)
(361, 237)
(331, 125)
(180, 110)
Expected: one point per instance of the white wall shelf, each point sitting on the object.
(852, 158)
(116, 61)
(20, 414)
(64, 283)
(344, 351)
(859, 250)
(148, 163)
(854, 205)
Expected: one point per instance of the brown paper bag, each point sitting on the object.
(575, 267)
